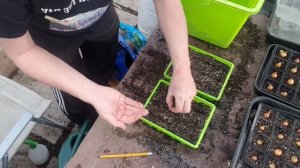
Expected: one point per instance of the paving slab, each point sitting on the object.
(126, 17)
(132, 4)
(7, 67)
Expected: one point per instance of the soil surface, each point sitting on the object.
(208, 73)
(187, 126)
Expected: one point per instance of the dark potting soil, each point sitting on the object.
(209, 74)
(186, 126)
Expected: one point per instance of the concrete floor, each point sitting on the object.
(53, 137)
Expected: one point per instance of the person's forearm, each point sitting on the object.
(173, 25)
(45, 67)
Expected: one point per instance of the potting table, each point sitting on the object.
(218, 145)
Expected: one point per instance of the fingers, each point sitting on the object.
(130, 119)
(133, 103)
(187, 106)
(114, 122)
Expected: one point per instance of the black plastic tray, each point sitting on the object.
(279, 84)
(277, 40)
(254, 115)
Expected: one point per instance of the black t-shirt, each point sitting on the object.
(50, 15)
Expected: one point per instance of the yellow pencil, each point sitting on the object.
(125, 155)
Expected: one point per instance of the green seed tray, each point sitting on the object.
(196, 99)
(221, 60)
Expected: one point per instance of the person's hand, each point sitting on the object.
(181, 92)
(118, 109)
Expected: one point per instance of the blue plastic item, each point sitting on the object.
(131, 42)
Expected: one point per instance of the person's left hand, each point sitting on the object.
(181, 91)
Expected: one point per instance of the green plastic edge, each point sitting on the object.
(176, 137)
(252, 11)
(200, 93)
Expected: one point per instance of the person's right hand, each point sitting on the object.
(116, 108)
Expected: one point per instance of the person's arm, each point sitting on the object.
(173, 25)
(45, 67)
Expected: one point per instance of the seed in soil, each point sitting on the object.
(286, 92)
(263, 127)
(294, 70)
(267, 114)
(274, 75)
(297, 60)
(254, 157)
(278, 152)
(285, 121)
(273, 163)
(270, 85)
(290, 81)
(283, 53)
(278, 64)
(298, 130)
(294, 159)
(280, 134)
(187, 126)
(260, 141)
(298, 143)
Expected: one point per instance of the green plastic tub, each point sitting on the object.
(218, 21)
(201, 93)
(196, 99)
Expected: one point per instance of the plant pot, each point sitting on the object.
(211, 73)
(188, 129)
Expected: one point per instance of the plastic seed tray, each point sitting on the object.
(211, 109)
(270, 136)
(279, 75)
(202, 93)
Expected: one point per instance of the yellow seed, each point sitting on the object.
(270, 86)
(259, 142)
(291, 81)
(254, 158)
(272, 165)
(285, 123)
(294, 159)
(267, 114)
(278, 64)
(284, 93)
(274, 75)
(294, 70)
(298, 143)
(277, 152)
(297, 60)
(283, 53)
(280, 136)
(262, 128)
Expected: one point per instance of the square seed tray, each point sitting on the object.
(270, 136)
(279, 75)
(206, 113)
(208, 83)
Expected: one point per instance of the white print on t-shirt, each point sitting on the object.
(65, 9)
(77, 22)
